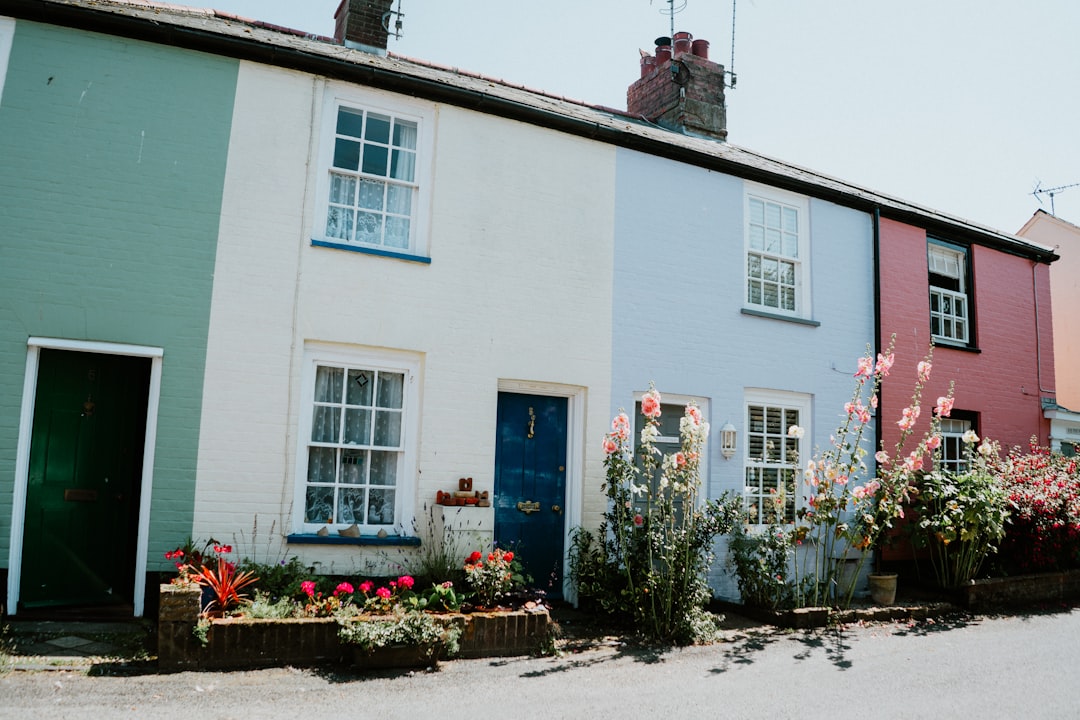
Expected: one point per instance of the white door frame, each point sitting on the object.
(22, 455)
(575, 456)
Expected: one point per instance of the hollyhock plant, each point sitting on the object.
(649, 559)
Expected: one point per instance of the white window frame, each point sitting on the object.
(949, 261)
(801, 259)
(952, 443)
(342, 97)
(668, 403)
(405, 490)
(784, 400)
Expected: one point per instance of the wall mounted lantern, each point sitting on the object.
(728, 439)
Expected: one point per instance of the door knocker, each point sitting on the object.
(532, 423)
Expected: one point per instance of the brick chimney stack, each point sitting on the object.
(681, 89)
(362, 24)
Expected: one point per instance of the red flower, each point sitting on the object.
(508, 556)
(406, 582)
(366, 586)
(475, 556)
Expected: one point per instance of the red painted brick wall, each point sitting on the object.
(1001, 382)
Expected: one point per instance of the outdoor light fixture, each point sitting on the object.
(727, 440)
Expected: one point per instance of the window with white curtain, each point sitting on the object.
(357, 465)
(372, 185)
(777, 252)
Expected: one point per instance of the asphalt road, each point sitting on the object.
(982, 667)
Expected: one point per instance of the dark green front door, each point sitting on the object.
(530, 484)
(83, 479)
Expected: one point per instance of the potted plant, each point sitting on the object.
(405, 638)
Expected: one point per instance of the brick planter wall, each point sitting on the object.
(234, 643)
(1022, 590)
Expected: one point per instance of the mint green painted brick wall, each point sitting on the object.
(112, 162)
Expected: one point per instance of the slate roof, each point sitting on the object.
(227, 34)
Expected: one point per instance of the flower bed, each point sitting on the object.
(236, 642)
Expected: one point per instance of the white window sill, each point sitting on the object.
(777, 316)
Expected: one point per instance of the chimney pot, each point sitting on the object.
(700, 48)
(682, 43)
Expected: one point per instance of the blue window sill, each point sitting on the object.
(335, 539)
(372, 251)
(778, 316)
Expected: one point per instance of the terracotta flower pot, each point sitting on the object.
(883, 588)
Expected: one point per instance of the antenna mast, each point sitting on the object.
(1039, 190)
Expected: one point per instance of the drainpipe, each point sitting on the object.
(877, 306)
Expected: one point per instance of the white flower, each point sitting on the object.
(796, 432)
(970, 437)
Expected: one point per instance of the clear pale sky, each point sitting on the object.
(959, 105)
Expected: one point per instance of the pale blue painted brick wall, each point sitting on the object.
(113, 158)
(678, 292)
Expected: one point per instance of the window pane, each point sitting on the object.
(346, 154)
(381, 507)
(378, 129)
(772, 215)
(357, 427)
(791, 220)
(753, 265)
(791, 245)
(319, 505)
(339, 223)
(770, 269)
(383, 468)
(322, 465)
(769, 297)
(387, 428)
(369, 228)
(403, 165)
(756, 446)
(375, 157)
(397, 232)
(774, 423)
(757, 211)
(371, 194)
(757, 237)
(787, 298)
(405, 134)
(399, 200)
(324, 424)
(349, 122)
(787, 273)
(391, 390)
(754, 293)
(328, 384)
(772, 241)
(351, 506)
(353, 464)
(358, 388)
(342, 189)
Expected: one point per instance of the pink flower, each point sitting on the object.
(913, 461)
(873, 401)
(694, 413)
(933, 442)
(866, 367)
(638, 520)
(384, 593)
(881, 457)
(620, 426)
(923, 368)
(610, 446)
(911, 414)
(308, 586)
(884, 362)
(366, 586)
(650, 404)
(944, 406)
(406, 582)
(680, 459)
(344, 589)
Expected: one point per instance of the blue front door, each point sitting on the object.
(530, 484)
